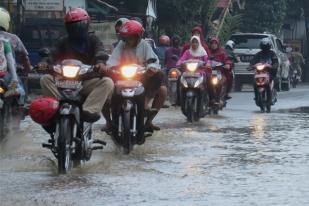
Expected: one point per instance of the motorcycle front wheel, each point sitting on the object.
(64, 145)
(192, 116)
(126, 132)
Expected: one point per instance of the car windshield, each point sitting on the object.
(247, 41)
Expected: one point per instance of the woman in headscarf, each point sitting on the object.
(218, 54)
(196, 31)
(196, 51)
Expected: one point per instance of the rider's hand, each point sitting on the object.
(151, 71)
(227, 66)
(101, 68)
(13, 84)
(43, 65)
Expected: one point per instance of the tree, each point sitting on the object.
(264, 15)
(180, 16)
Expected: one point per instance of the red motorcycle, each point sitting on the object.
(265, 92)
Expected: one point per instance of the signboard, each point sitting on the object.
(43, 5)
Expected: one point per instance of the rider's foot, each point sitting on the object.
(151, 128)
(107, 128)
(227, 97)
(90, 117)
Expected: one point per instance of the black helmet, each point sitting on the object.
(265, 44)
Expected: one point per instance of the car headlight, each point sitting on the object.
(2, 90)
(214, 80)
(129, 71)
(260, 67)
(70, 71)
(192, 66)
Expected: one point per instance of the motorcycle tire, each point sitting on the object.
(1, 125)
(64, 143)
(126, 134)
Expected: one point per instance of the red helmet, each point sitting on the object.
(131, 28)
(43, 109)
(164, 40)
(76, 14)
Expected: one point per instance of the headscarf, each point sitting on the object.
(175, 41)
(200, 51)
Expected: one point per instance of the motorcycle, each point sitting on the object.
(128, 107)
(173, 77)
(217, 88)
(11, 112)
(265, 92)
(193, 95)
(72, 140)
(295, 77)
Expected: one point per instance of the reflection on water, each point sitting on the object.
(258, 126)
(256, 159)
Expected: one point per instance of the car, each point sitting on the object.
(246, 46)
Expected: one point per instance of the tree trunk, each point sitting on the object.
(306, 12)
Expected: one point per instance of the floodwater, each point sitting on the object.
(240, 157)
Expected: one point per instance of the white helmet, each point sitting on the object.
(230, 43)
(4, 19)
(265, 44)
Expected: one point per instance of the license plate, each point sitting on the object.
(194, 75)
(214, 72)
(261, 76)
(127, 83)
(246, 58)
(68, 84)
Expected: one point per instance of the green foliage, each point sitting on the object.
(180, 16)
(264, 15)
(231, 25)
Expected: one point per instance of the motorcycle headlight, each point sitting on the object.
(173, 73)
(214, 80)
(192, 66)
(70, 71)
(1, 90)
(260, 67)
(129, 71)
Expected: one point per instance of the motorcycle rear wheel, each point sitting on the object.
(64, 143)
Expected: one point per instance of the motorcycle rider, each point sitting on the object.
(229, 49)
(19, 50)
(7, 60)
(134, 49)
(8, 71)
(196, 51)
(266, 55)
(164, 43)
(172, 54)
(196, 31)
(218, 54)
(87, 48)
(297, 61)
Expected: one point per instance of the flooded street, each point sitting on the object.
(239, 158)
